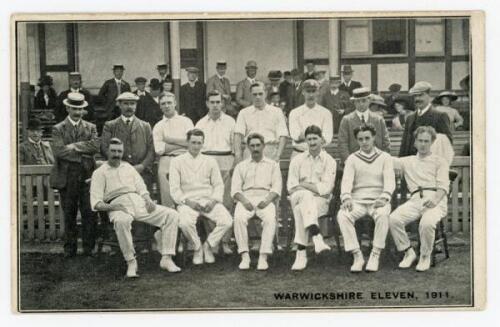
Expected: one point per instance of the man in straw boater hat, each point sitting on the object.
(75, 143)
(112, 88)
(361, 116)
(348, 84)
(118, 189)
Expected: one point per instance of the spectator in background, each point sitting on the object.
(395, 90)
(274, 77)
(310, 71)
(443, 102)
(377, 105)
(34, 151)
(297, 98)
(75, 86)
(220, 83)
(243, 93)
(100, 114)
(349, 85)
(192, 96)
(46, 97)
(163, 74)
(337, 102)
(402, 112)
(111, 89)
(166, 85)
(286, 91)
(324, 84)
(148, 108)
(275, 100)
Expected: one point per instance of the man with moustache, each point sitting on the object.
(118, 189)
(111, 89)
(337, 102)
(220, 83)
(311, 178)
(255, 186)
(75, 86)
(74, 144)
(309, 114)
(169, 136)
(243, 93)
(263, 119)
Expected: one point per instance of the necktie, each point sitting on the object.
(119, 87)
(363, 119)
(128, 122)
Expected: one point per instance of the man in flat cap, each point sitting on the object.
(35, 151)
(163, 73)
(310, 113)
(310, 71)
(135, 134)
(361, 116)
(424, 115)
(75, 86)
(192, 96)
(348, 84)
(148, 108)
(112, 88)
(243, 94)
(274, 77)
(337, 101)
(75, 143)
(220, 83)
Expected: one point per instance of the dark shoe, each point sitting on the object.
(68, 255)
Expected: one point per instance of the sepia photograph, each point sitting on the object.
(183, 162)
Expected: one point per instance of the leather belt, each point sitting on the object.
(217, 153)
(297, 150)
(116, 197)
(422, 189)
(169, 155)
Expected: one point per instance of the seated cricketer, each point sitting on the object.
(311, 178)
(117, 188)
(255, 185)
(427, 177)
(366, 189)
(196, 187)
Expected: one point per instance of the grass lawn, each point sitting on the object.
(49, 282)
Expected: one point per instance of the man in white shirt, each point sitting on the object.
(427, 177)
(311, 178)
(256, 185)
(310, 113)
(263, 119)
(169, 137)
(118, 188)
(196, 187)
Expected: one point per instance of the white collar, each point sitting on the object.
(74, 123)
(334, 92)
(264, 159)
(127, 118)
(75, 90)
(139, 92)
(33, 142)
(218, 119)
(258, 109)
(117, 80)
(251, 80)
(347, 83)
(363, 114)
(320, 154)
(220, 77)
(165, 118)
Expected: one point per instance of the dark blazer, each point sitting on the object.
(109, 91)
(192, 101)
(347, 141)
(29, 156)
(352, 86)
(40, 101)
(137, 141)
(243, 95)
(87, 145)
(339, 105)
(148, 109)
(286, 95)
(431, 117)
(307, 76)
(60, 112)
(224, 87)
(297, 98)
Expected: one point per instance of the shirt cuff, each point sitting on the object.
(345, 196)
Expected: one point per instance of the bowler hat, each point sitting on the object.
(274, 75)
(251, 64)
(420, 87)
(34, 124)
(127, 96)
(360, 93)
(287, 73)
(154, 84)
(140, 79)
(45, 80)
(118, 66)
(335, 79)
(448, 94)
(75, 100)
(347, 69)
(395, 87)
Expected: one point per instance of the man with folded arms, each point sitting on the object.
(310, 182)
(256, 184)
(427, 177)
(367, 186)
(196, 187)
(118, 188)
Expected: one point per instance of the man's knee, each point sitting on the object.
(344, 217)
(122, 221)
(427, 224)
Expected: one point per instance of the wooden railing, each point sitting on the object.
(40, 212)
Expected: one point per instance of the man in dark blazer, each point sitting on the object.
(310, 71)
(219, 82)
(243, 94)
(75, 86)
(362, 115)
(337, 102)
(148, 108)
(348, 84)
(424, 115)
(192, 96)
(163, 73)
(74, 143)
(34, 151)
(296, 97)
(136, 135)
(112, 88)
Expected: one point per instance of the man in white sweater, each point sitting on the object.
(366, 189)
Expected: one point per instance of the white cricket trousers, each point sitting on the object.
(413, 210)
(164, 185)
(187, 223)
(266, 215)
(165, 218)
(307, 208)
(347, 220)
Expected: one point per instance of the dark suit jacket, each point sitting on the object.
(431, 117)
(60, 111)
(339, 105)
(307, 76)
(148, 109)
(87, 145)
(40, 101)
(297, 99)
(243, 95)
(286, 95)
(29, 156)
(137, 141)
(193, 101)
(109, 91)
(348, 143)
(352, 86)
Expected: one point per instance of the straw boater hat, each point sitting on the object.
(75, 100)
(448, 94)
(377, 99)
(360, 93)
(221, 63)
(127, 96)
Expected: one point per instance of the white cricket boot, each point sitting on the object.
(319, 244)
(245, 261)
(358, 263)
(408, 259)
(300, 260)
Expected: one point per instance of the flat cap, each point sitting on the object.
(395, 87)
(34, 124)
(140, 79)
(420, 87)
(118, 66)
(274, 75)
(377, 99)
(311, 84)
(360, 93)
(251, 64)
(127, 96)
(192, 70)
(45, 80)
(75, 100)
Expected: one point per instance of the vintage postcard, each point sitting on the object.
(280, 161)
